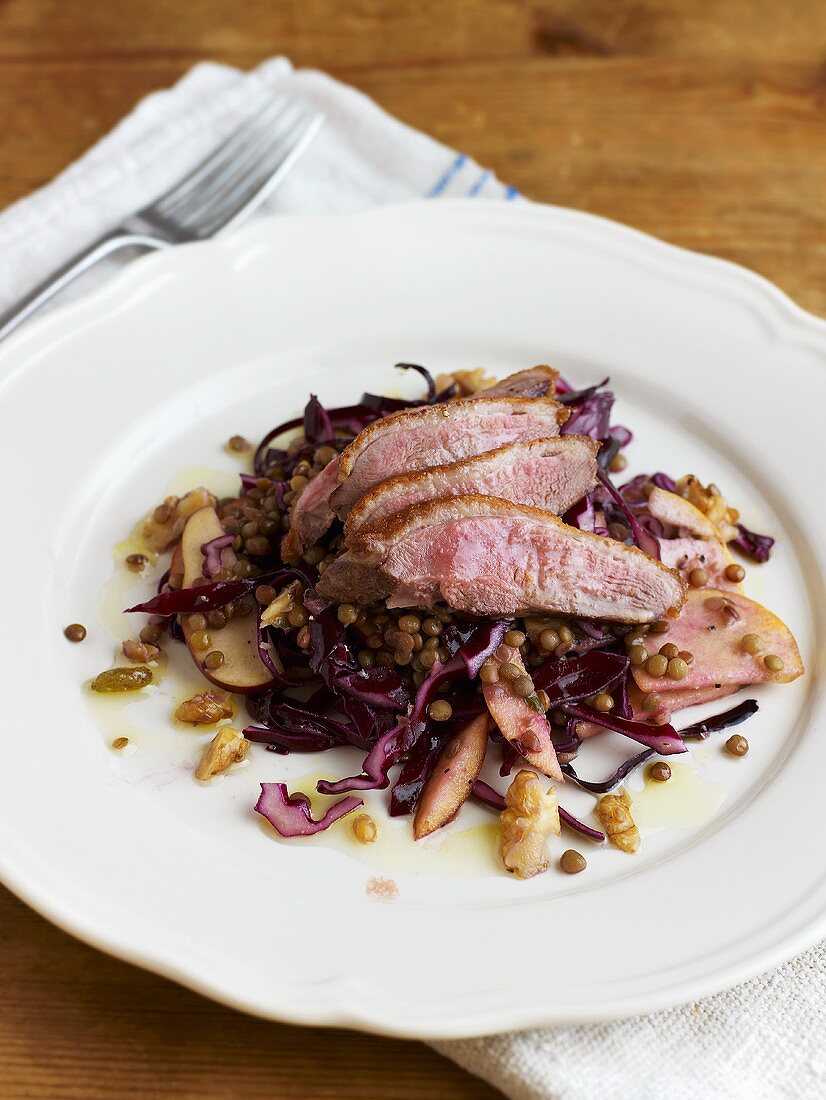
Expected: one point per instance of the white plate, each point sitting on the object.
(105, 402)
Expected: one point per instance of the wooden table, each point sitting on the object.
(699, 121)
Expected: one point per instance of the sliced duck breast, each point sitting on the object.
(436, 435)
(492, 557)
(311, 513)
(547, 473)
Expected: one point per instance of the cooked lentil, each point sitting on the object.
(510, 671)
(656, 665)
(488, 673)
(440, 710)
(637, 655)
(365, 829)
(677, 668)
(572, 862)
(737, 745)
(522, 686)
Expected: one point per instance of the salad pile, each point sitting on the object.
(425, 695)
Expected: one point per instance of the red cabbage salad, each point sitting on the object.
(358, 591)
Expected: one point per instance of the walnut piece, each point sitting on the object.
(163, 525)
(139, 652)
(614, 813)
(227, 747)
(276, 612)
(530, 817)
(468, 382)
(711, 502)
(206, 708)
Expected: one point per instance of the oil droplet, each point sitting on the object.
(478, 845)
(684, 802)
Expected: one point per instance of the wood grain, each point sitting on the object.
(699, 121)
(77, 1025)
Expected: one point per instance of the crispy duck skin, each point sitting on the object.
(535, 382)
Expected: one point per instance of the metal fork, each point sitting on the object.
(215, 196)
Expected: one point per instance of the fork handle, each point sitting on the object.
(43, 292)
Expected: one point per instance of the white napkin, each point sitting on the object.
(760, 1041)
(361, 157)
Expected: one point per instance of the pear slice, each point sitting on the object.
(676, 511)
(698, 544)
(519, 723)
(715, 637)
(243, 671)
(452, 779)
(676, 700)
(712, 555)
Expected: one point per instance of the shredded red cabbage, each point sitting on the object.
(591, 414)
(289, 814)
(604, 785)
(753, 545)
(699, 731)
(580, 827)
(635, 494)
(473, 650)
(285, 720)
(484, 793)
(212, 553)
(578, 678)
(582, 515)
(216, 594)
(318, 427)
(662, 739)
(644, 539)
(390, 748)
(372, 697)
